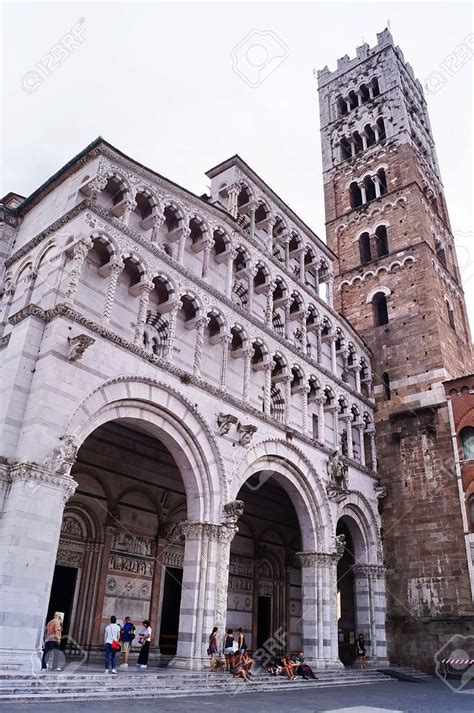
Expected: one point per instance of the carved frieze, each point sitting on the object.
(121, 563)
(132, 544)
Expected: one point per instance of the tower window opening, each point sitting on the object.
(381, 128)
(381, 241)
(345, 148)
(467, 441)
(382, 181)
(353, 99)
(364, 93)
(375, 87)
(380, 310)
(369, 188)
(370, 134)
(357, 139)
(364, 247)
(356, 195)
(387, 392)
(450, 312)
(341, 106)
(440, 252)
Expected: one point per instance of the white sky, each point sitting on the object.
(157, 81)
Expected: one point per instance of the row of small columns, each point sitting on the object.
(358, 94)
(364, 138)
(363, 191)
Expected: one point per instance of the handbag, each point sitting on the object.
(116, 645)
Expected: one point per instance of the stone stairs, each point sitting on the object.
(131, 684)
(405, 673)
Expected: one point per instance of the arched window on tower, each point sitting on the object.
(364, 248)
(380, 311)
(375, 87)
(467, 442)
(450, 313)
(353, 100)
(364, 93)
(381, 128)
(440, 252)
(369, 188)
(387, 392)
(356, 195)
(341, 106)
(382, 181)
(370, 134)
(345, 148)
(357, 139)
(381, 240)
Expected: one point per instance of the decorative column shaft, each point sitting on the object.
(304, 404)
(302, 266)
(288, 399)
(173, 315)
(205, 256)
(115, 270)
(321, 419)
(229, 278)
(318, 344)
(269, 306)
(145, 290)
(224, 340)
(333, 355)
(233, 194)
(198, 348)
(267, 392)
(330, 289)
(250, 290)
(360, 429)
(129, 207)
(248, 354)
(287, 319)
(350, 449)
(316, 277)
(185, 233)
(373, 451)
(304, 332)
(252, 220)
(377, 186)
(357, 378)
(363, 191)
(80, 252)
(157, 222)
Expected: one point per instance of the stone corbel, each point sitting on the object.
(78, 345)
(63, 456)
(225, 422)
(246, 433)
(380, 491)
(233, 510)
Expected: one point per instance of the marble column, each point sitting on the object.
(173, 315)
(128, 207)
(302, 266)
(304, 406)
(230, 273)
(248, 354)
(360, 429)
(319, 608)
(31, 526)
(287, 391)
(267, 391)
(333, 355)
(225, 340)
(373, 450)
(144, 292)
(363, 191)
(233, 194)
(269, 305)
(209, 242)
(348, 426)
(320, 400)
(304, 334)
(80, 251)
(201, 325)
(113, 270)
(185, 232)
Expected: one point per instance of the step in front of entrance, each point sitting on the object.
(54, 687)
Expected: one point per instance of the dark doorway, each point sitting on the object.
(62, 594)
(264, 620)
(345, 587)
(170, 611)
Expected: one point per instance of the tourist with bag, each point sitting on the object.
(144, 639)
(213, 647)
(112, 643)
(128, 635)
(52, 639)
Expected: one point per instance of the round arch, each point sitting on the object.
(364, 528)
(296, 475)
(164, 413)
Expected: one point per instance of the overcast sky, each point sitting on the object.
(157, 80)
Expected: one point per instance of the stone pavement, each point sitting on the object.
(429, 697)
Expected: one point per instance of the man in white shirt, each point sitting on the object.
(111, 635)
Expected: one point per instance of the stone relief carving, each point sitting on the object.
(225, 422)
(380, 491)
(119, 563)
(340, 544)
(246, 433)
(70, 558)
(241, 566)
(78, 345)
(70, 526)
(142, 546)
(63, 456)
(337, 488)
(173, 556)
(233, 511)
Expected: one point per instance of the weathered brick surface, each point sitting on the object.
(429, 594)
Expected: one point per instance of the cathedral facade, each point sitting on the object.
(188, 425)
(399, 284)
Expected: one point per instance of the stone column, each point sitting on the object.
(375, 129)
(172, 330)
(185, 233)
(302, 266)
(287, 383)
(319, 608)
(144, 292)
(225, 341)
(377, 605)
(233, 194)
(377, 186)
(304, 402)
(201, 325)
(363, 191)
(8, 297)
(80, 251)
(348, 424)
(362, 604)
(253, 209)
(204, 589)
(269, 305)
(373, 450)
(129, 207)
(317, 331)
(252, 271)
(320, 400)
(333, 355)
(156, 224)
(360, 428)
(31, 526)
(230, 273)
(304, 335)
(248, 354)
(364, 140)
(287, 319)
(268, 386)
(114, 270)
(330, 288)
(205, 256)
(316, 277)
(357, 378)
(96, 186)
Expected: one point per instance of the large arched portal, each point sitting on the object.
(120, 550)
(264, 595)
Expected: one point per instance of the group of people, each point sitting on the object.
(239, 663)
(120, 639)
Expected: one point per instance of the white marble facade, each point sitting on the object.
(202, 327)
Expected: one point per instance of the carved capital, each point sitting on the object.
(225, 422)
(37, 475)
(63, 456)
(78, 345)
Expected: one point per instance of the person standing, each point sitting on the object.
(111, 640)
(144, 639)
(213, 647)
(360, 651)
(229, 648)
(128, 635)
(52, 639)
(241, 644)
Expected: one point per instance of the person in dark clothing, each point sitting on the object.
(360, 651)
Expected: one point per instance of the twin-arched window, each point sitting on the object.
(467, 442)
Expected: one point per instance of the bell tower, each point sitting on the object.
(398, 283)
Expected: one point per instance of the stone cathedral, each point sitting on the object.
(210, 417)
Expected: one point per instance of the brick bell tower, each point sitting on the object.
(399, 285)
